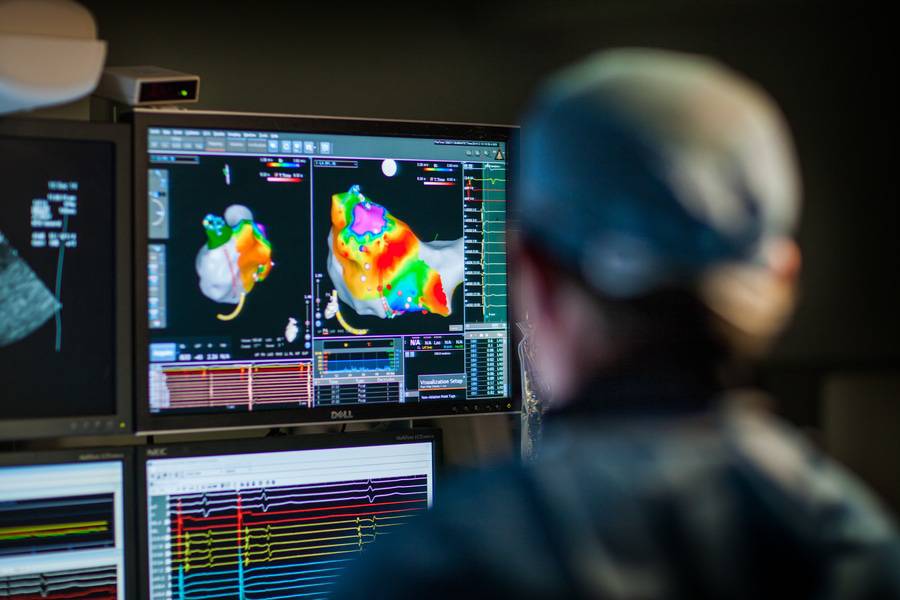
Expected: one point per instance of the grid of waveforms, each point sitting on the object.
(35, 526)
(282, 542)
(222, 385)
(98, 583)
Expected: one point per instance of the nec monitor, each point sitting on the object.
(65, 525)
(309, 269)
(275, 517)
(65, 283)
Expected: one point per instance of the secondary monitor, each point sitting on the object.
(65, 286)
(312, 269)
(276, 517)
(65, 526)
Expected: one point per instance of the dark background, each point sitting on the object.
(823, 64)
(431, 213)
(281, 208)
(78, 380)
(827, 65)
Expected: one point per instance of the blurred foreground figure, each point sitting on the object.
(657, 196)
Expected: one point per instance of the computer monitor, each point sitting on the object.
(66, 525)
(65, 284)
(310, 269)
(275, 517)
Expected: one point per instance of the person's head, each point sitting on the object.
(657, 192)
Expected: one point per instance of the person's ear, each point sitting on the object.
(783, 257)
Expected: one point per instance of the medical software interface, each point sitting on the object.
(57, 279)
(294, 270)
(62, 532)
(270, 525)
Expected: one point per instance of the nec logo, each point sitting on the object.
(341, 414)
(156, 451)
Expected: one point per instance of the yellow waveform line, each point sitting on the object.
(248, 545)
(230, 536)
(188, 557)
(14, 533)
(269, 558)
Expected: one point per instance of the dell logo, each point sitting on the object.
(342, 414)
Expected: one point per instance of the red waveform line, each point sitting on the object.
(259, 384)
(315, 518)
(239, 523)
(204, 371)
(180, 524)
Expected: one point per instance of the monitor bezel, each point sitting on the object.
(284, 443)
(149, 423)
(120, 421)
(126, 456)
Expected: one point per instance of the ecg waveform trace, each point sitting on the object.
(35, 526)
(98, 583)
(217, 385)
(484, 204)
(282, 542)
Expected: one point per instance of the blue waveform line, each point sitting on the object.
(204, 585)
(240, 568)
(252, 573)
(319, 594)
(359, 364)
(292, 584)
(250, 580)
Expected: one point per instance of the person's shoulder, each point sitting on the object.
(797, 478)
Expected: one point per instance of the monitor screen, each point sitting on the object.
(60, 293)
(63, 529)
(268, 521)
(303, 270)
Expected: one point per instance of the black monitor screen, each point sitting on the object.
(296, 270)
(63, 531)
(58, 283)
(275, 523)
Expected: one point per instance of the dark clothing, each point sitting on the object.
(657, 495)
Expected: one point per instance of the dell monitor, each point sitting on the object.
(65, 284)
(278, 517)
(65, 526)
(309, 269)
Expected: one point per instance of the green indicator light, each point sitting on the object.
(184, 93)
